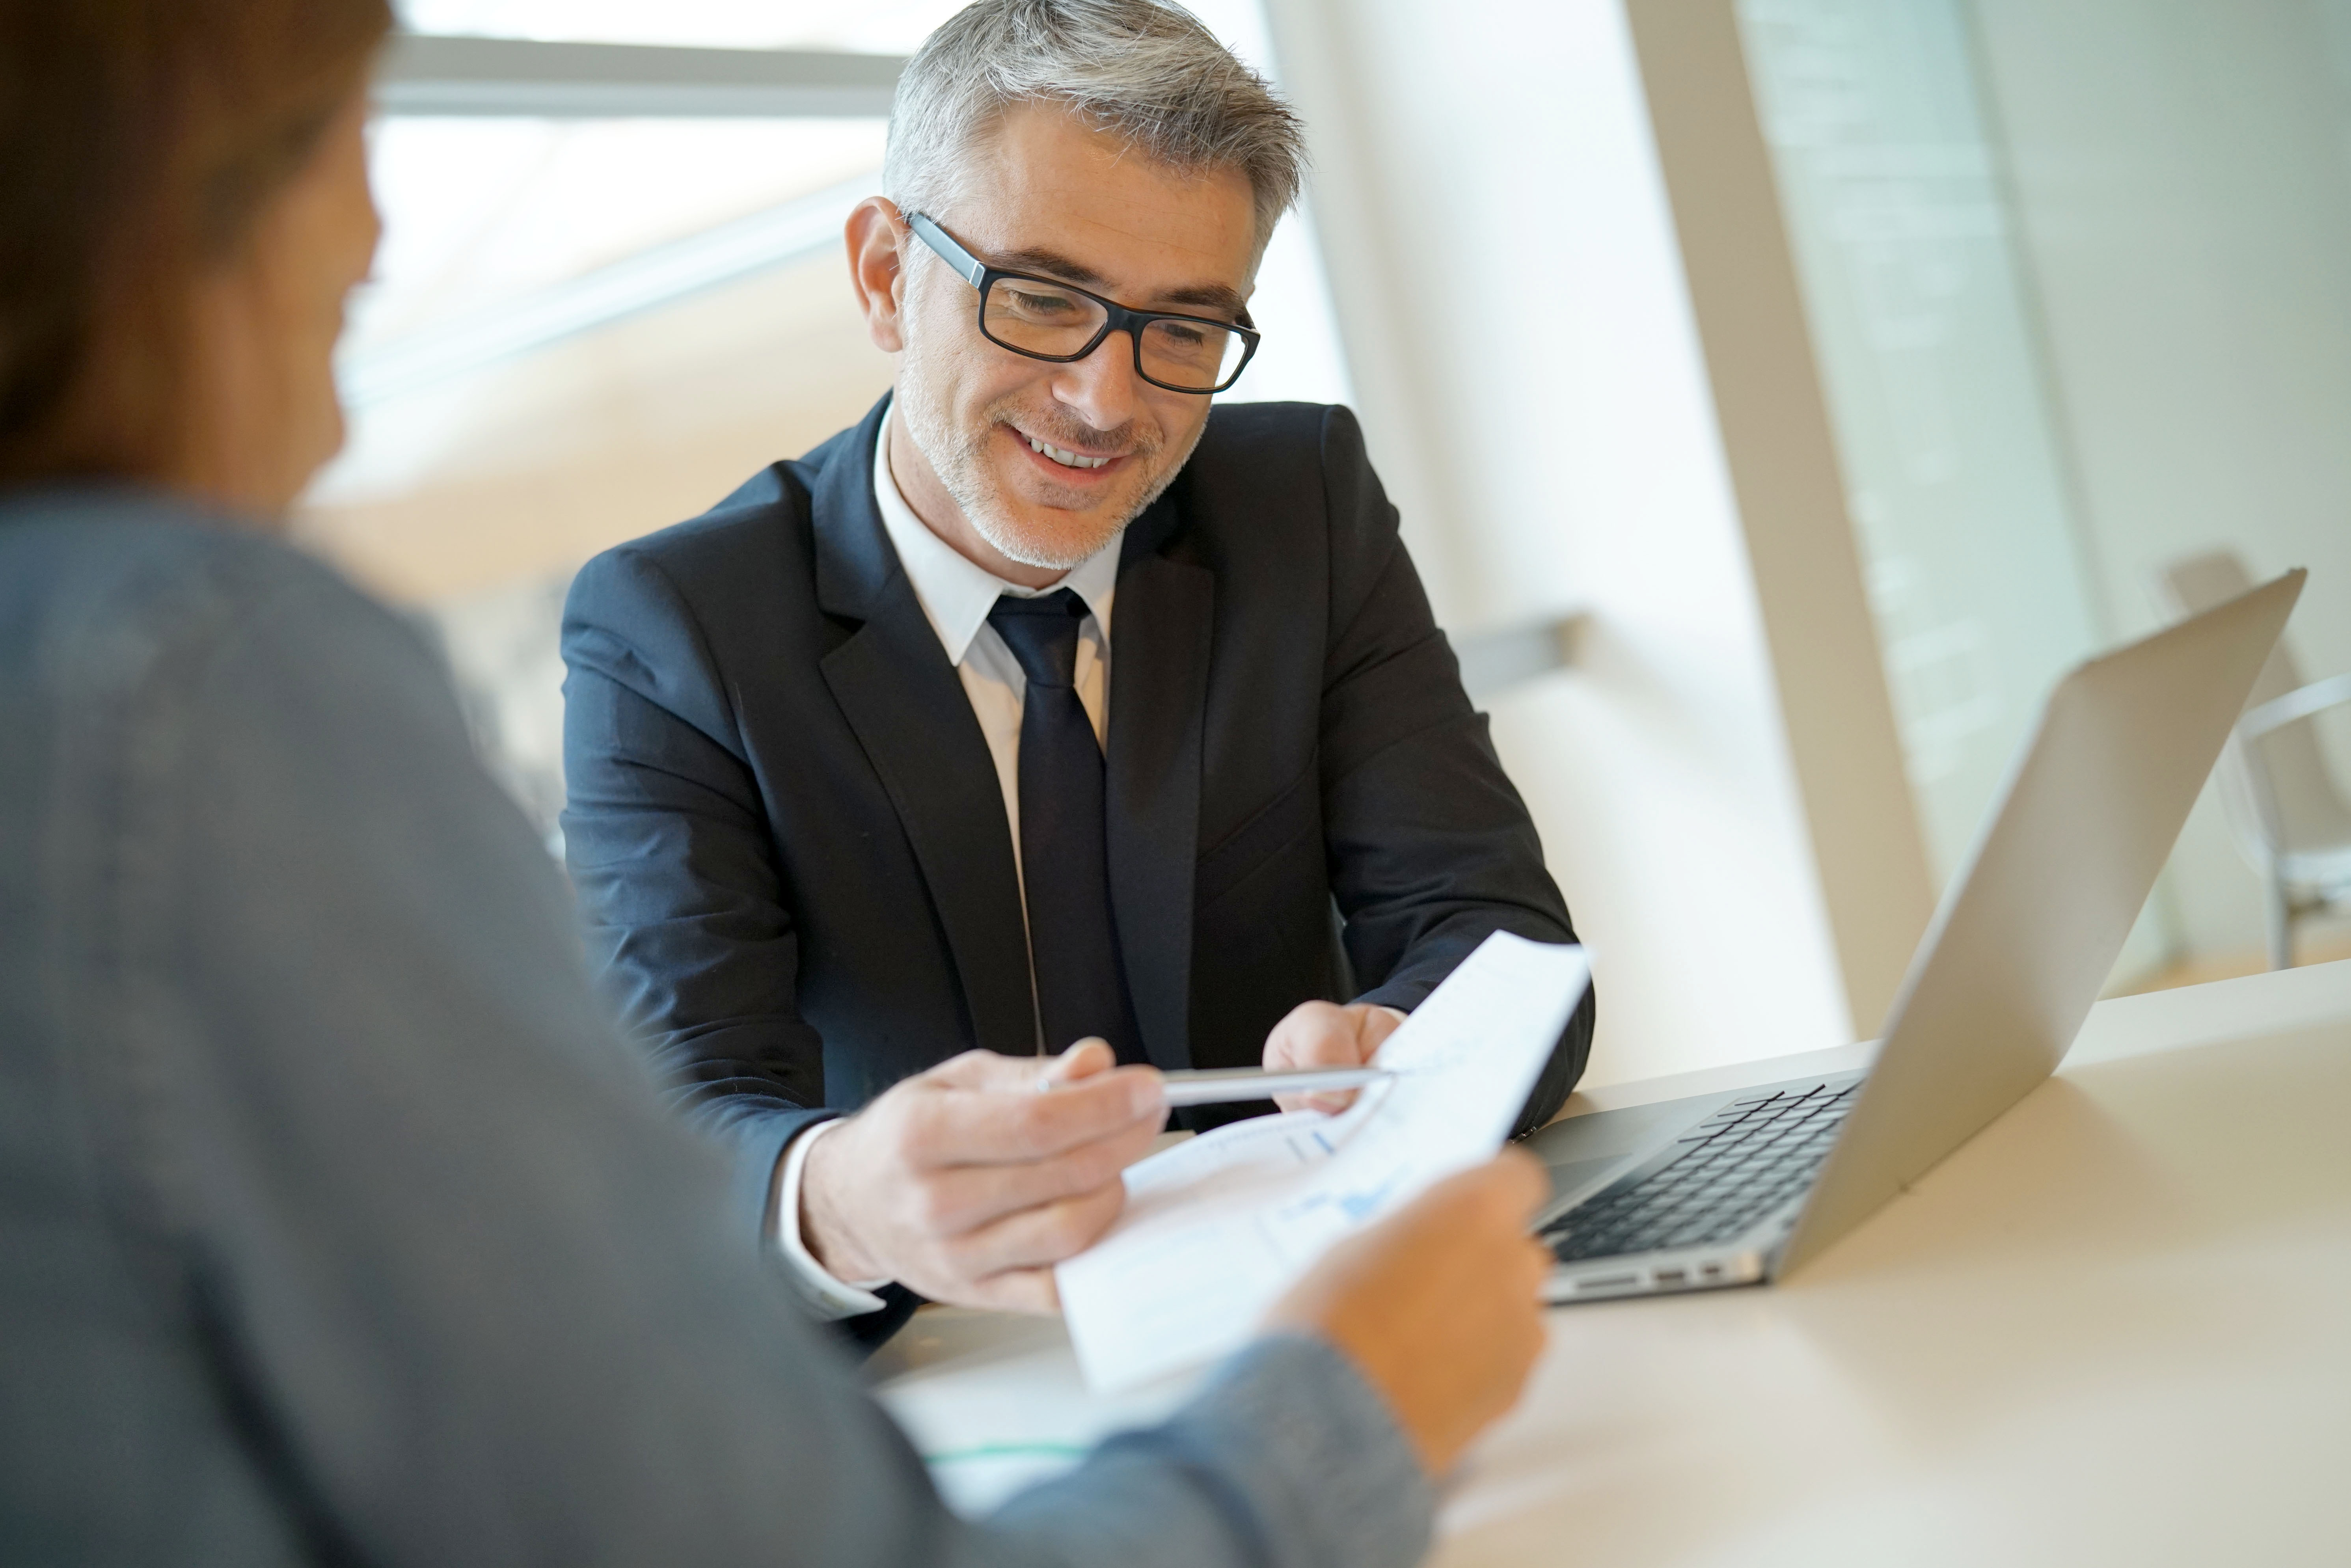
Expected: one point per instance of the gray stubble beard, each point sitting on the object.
(960, 459)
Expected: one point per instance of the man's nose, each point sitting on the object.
(1103, 389)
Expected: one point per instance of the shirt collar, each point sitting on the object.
(956, 595)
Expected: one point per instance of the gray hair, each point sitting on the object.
(1143, 71)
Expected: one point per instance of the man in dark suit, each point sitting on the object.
(1045, 705)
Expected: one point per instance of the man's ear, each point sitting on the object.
(876, 234)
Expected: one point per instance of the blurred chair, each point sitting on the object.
(2289, 816)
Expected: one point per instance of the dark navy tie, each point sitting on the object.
(1064, 864)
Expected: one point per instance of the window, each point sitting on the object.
(875, 26)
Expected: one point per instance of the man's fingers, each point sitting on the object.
(1086, 1058)
(961, 1198)
(984, 1127)
(1002, 1121)
(1323, 1048)
(1322, 1035)
(1038, 1237)
(1030, 1290)
(986, 1070)
(1315, 1034)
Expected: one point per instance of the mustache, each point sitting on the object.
(1056, 427)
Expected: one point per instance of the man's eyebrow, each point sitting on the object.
(1212, 295)
(1052, 262)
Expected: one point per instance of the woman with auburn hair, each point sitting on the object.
(336, 1222)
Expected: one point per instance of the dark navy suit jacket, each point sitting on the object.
(789, 842)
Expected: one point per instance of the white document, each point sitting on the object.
(1218, 1225)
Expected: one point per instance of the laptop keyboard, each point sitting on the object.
(1735, 1167)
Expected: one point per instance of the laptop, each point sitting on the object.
(1738, 1189)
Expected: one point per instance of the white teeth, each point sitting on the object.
(1066, 459)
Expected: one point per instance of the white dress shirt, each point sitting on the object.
(955, 596)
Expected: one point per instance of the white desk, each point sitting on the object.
(2114, 1328)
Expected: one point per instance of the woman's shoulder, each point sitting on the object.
(123, 600)
(117, 564)
(70, 547)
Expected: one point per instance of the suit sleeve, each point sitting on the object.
(1431, 849)
(682, 906)
(466, 1286)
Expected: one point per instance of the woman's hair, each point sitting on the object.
(140, 140)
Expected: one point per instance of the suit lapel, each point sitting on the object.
(1158, 695)
(908, 709)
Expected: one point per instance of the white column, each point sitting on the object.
(1524, 352)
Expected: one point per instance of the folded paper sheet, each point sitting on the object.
(1218, 1225)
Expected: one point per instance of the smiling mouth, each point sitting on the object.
(1067, 459)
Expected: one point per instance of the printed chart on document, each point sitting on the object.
(1218, 1225)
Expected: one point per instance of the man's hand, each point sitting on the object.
(1325, 1034)
(1437, 1304)
(967, 1183)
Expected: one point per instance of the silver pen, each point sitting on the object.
(1218, 1085)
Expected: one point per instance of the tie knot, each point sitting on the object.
(1042, 633)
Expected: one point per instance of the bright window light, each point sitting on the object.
(875, 26)
(480, 212)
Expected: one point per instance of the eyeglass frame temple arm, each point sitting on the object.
(1121, 317)
(974, 271)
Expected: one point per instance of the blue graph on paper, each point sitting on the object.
(1215, 1228)
(1325, 1212)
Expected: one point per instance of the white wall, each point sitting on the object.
(1303, 357)
(1960, 496)
(2182, 176)
(1523, 354)
(1929, 353)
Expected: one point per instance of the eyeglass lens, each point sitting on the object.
(1035, 317)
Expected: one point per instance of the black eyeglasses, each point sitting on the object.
(1045, 319)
